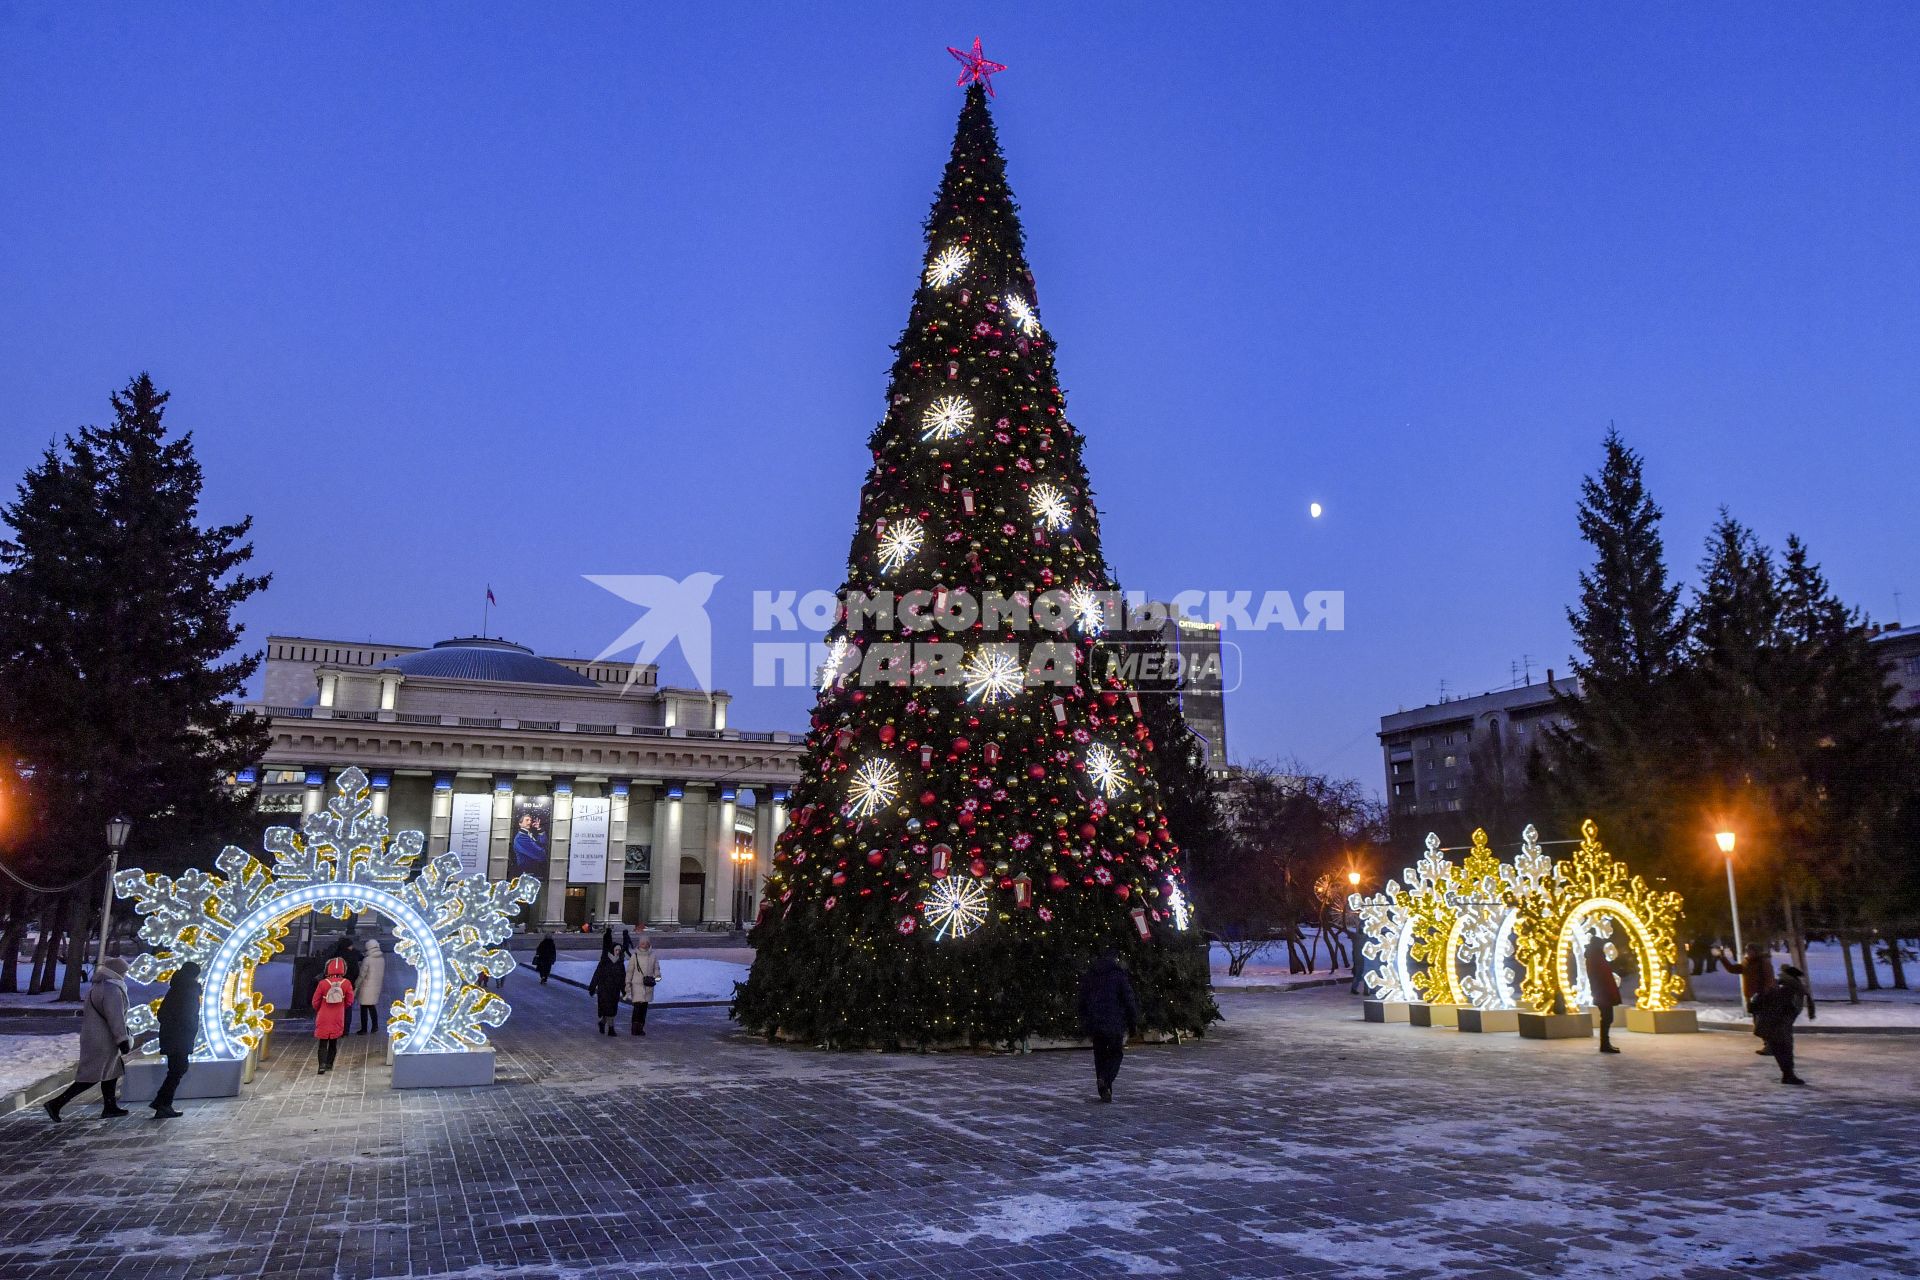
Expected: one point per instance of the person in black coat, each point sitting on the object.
(179, 1028)
(608, 980)
(1774, 1010)
(543, 958)
(1110, 1014)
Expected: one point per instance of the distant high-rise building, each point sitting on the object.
(1182, 658)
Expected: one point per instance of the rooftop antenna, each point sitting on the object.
(1443, 691)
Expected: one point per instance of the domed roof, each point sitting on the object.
(482, 658)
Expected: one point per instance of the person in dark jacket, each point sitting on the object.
(1605, 988)
(1110, 1014)
(1756, 975)
(609, 979)
(1774, 1011)
(179, 1028)
(347, 952)
(543, 958)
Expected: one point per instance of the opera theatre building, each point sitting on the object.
(629, 802)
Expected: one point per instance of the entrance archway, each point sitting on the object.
(447, 925)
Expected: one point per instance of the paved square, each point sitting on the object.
(1296, 1140)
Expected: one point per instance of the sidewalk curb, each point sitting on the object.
(1814, 1030)
(1302, 985)
(38, 1091)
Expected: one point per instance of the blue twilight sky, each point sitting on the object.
(457, 295)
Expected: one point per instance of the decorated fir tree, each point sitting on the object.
(979, 819)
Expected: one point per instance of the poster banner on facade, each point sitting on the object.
(532, 836)
(587, 847)
(472, 831)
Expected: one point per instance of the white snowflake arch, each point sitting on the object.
(446, 925)
(1389, 925)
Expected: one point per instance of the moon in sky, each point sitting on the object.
(1313, 509)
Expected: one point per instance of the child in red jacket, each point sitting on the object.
(332, 997)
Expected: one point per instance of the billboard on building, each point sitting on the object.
(471, 831)
(587, 847)
(532, 843)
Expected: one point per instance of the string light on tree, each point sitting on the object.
(956, 906)
(900, 542)
(947, 266)
(1025, 319)
(874, 786)
(1177, 905)
(945, 418)
(1050, 507)
(992, 675)
(1106, 770)
(830, 671)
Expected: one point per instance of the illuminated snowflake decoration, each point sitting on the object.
(899, 542)
(342, 861)
(836, 664)
(945, 418)
(1178, 906)
(956, 906)
(1087, 613)
(1024, 317)
(874, 786)
(947, 266)
(1388, 921)
(992, 675)
(1106, 769)
(1050, 507)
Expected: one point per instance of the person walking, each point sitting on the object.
(544, 956)
(331, 996)
(1774, 1011)
(605, 987)
(1110, 1014)
(179, 1028)
(643, 974)
(1605, 988)
(1756, 975)
(368, 990)
(103, 1041)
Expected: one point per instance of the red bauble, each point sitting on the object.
(1056, 882)
(887, 733)
(1123, 891)
(978, 866)
(928, 798)
(875, 858)
(960, 745)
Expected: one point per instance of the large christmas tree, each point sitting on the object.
(978, 821)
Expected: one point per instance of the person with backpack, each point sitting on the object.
(179, 1028)
(543, 957)
(643, 975)
(103, 1041)
(331, 996)
(605, 988)
(1110, 1014)
(1774, 1011)
(367, 991)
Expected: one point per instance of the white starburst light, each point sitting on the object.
(1087, 613)
(899, 542)
(831, 670)
(956, 906)
(1050, 507)
(1177, 904)
(945, 418)
(874, 786)
(947, 266)
(1025, 319)
(1106, 769)
(992, 675)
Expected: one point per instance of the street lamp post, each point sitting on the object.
(1725, 840)
(739, 857)
(118, 829)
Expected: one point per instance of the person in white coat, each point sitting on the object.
(643, 974)
(373, 973)
(103, 1040)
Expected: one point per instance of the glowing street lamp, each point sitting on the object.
(1353, 879)
(118, 829)
(1725, 840)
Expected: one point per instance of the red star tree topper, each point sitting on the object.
(974, 67)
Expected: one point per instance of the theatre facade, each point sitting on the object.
(629, 802)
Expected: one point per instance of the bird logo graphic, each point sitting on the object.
(675, 610)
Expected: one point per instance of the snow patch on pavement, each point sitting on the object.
(1018, 1219)
(25, 1059)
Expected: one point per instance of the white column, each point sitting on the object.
(440, 822)
(559, 853)
(666, 855)
(499, 846)
(314, 797)
(720, 859)
(630, 912)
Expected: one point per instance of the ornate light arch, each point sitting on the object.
(446, 925)
(1388, 919)
(1591, 891)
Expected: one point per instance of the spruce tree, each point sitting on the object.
(959, 852)
(1616, 758)
(116, 625)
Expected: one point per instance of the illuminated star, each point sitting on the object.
(1024, 318)
(974, 67)
(1050, 507)
(947, 266)
(874, 786)
(956, 907)
(1104, 767)
(992, 675)
(946, 418)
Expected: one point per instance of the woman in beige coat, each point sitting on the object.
(103, 1040)
(643, 973)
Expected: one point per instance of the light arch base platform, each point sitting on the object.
(446, 925)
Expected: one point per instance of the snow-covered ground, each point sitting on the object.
(1716, 996)
(25, 1059)
(19, 999)
(681, 979)
(1269, 967)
